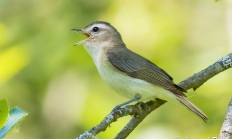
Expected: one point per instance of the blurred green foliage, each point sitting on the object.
(58, 84)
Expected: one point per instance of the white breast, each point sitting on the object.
(123, 84)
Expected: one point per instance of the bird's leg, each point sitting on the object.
(136, 98)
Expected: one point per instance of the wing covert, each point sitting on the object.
(138, 67)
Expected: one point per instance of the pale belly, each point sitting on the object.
(129, 87)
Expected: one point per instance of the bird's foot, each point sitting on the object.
(136, 98)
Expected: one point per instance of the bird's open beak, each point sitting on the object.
(82, 32)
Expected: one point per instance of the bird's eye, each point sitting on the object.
(95, 29)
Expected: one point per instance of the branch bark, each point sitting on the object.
(201, 77)
(139, 111)
(226, 130)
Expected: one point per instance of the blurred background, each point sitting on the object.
(59, 86)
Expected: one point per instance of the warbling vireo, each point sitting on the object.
(128, 73)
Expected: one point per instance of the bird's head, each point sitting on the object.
(99, 33)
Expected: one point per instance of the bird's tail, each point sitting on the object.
(193, 108)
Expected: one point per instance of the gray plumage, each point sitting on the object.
(136, 66)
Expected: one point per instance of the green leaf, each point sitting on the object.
(15, 115)
(3, 112)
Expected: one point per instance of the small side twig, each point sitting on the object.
(226, 130)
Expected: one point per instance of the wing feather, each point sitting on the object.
(138, 67)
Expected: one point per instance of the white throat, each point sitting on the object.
(96, 51)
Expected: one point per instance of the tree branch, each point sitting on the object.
(226, 130)
(138, 116)
(140, 110)
(201, 77)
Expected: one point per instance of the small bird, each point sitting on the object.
(128, 73)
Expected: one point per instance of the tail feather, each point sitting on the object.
(193, 108)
